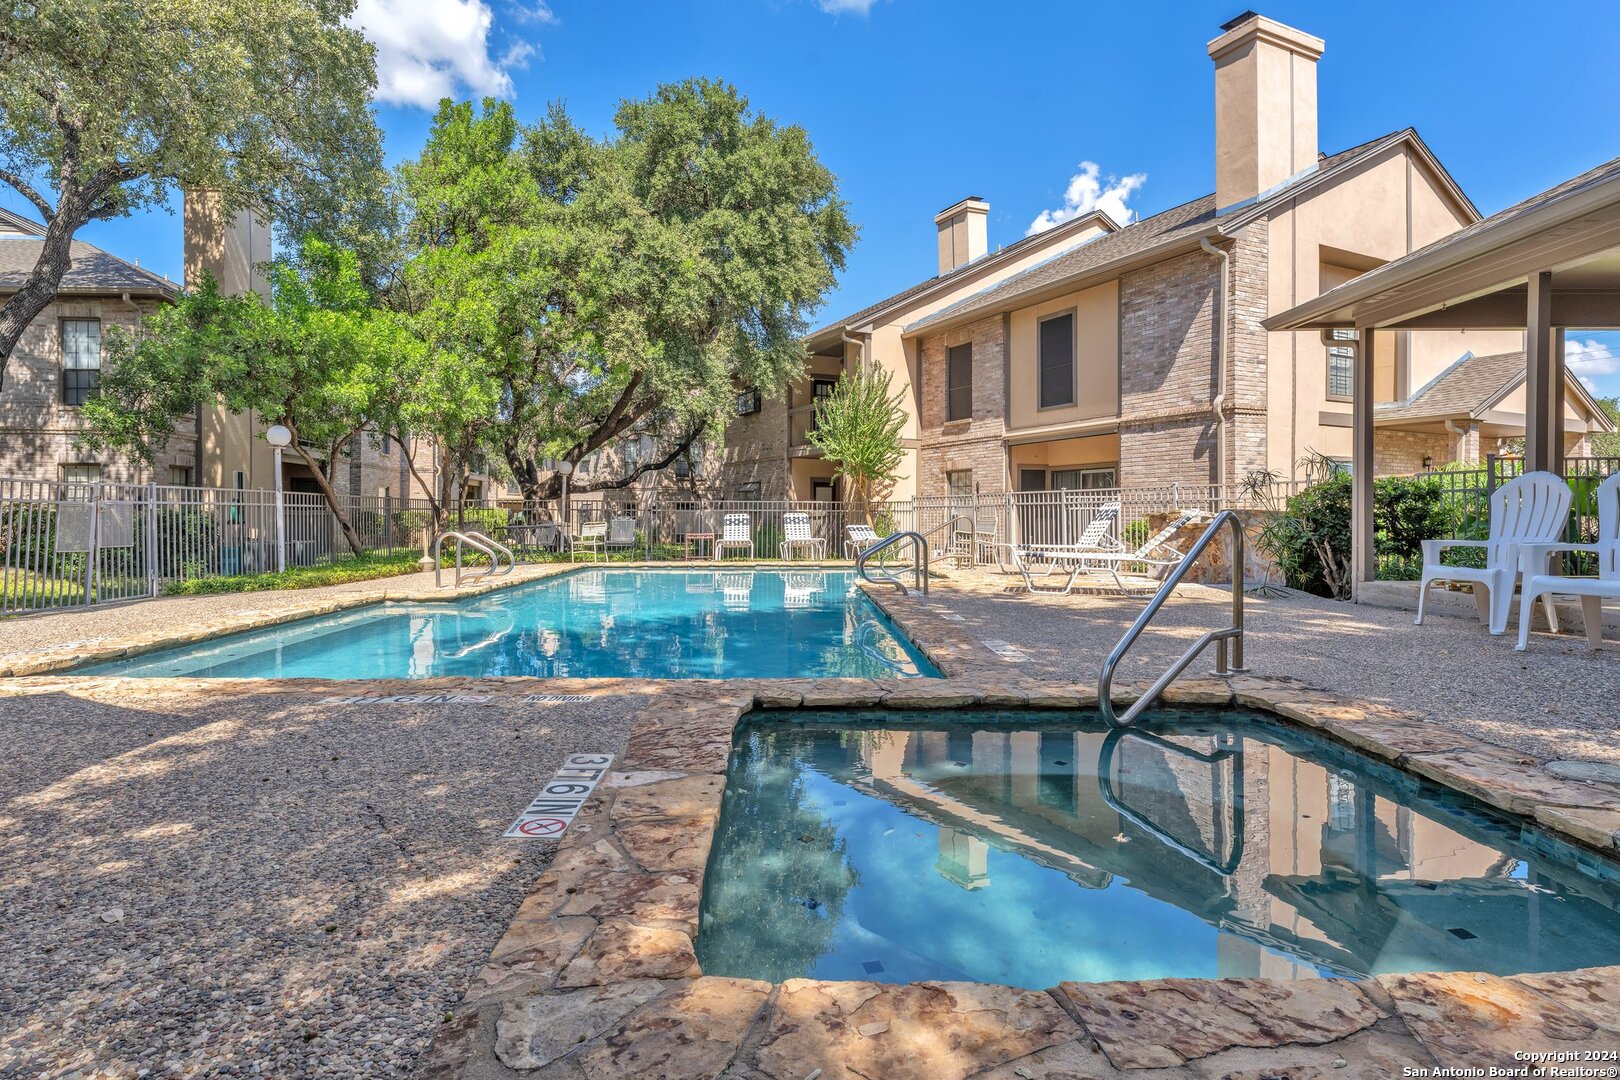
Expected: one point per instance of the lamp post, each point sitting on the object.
(280, 437)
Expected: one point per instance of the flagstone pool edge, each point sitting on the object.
(606, 940)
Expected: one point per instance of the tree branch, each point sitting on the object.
(645, 467)
(27, 191)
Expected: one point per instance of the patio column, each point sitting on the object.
(1363, 557)
(1544, 382)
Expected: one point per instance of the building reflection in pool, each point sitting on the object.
(1203, 845)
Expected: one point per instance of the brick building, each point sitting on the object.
(1134, 354)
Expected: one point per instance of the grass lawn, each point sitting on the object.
(344, 570)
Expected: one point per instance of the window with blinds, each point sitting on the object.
(1056, 346)
(959, 382)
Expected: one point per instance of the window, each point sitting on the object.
(1057, 361)
(1083, 479)
(683, 468)
(748, 491)
(387, 443)
(180, 475)
(822, 388)
(81, 360)
(1341, 366)
(81, 473)
(959, 382)
(960, 483)
(747, 402)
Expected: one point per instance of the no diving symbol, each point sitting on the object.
(542, 826)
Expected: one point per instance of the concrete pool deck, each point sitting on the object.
(211, 812)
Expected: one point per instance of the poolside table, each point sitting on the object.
(693, 540)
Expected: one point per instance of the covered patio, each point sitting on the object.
(1545, 266)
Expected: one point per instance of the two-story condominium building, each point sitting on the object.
(1134, 355)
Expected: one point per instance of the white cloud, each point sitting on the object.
(1089, 190)
(1589, 360)
(431, 49)
(537, 12)
(846, 7)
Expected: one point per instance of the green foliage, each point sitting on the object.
(110, 107)
(577, 290)
(1310, 538)
(318, 358)
(1607, 444)
(344, 570)
(858, 430)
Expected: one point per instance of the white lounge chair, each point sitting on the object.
(1155, 551)
(857, 538)
(1529, 509)
(1097, 537)
(796, 529)
(592, 538)
(736, 530)
(1592, 591)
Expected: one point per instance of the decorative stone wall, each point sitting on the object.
(950, 446)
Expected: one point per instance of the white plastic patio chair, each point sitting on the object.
(1529, 509)
(857, 538)
(1592, 591)
(796, 530)
(592, 537)
(736, 530)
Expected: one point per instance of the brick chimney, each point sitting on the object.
(962, 235)
(1265, 107)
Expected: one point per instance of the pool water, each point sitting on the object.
(650, 624)
(1028, 849)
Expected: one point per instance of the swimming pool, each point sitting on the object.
(1028, 849)
(650, 624)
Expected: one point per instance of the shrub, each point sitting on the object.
(344, 570)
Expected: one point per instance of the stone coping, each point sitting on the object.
(598, 974)
(97, 650)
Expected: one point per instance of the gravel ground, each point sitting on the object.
(1558, 699)
(259, 884)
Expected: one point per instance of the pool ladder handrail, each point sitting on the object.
(1233, 633)
(919, 560)
(479, 542)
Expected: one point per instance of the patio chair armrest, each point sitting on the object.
(1432, 549)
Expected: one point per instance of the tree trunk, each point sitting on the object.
(39, 290)
(350, 537)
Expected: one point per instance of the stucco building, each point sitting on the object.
(1134, 354)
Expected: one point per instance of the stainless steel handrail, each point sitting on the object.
(954, 521)
(1233, 633)
(919, 560)
(1105, 786)
(488, 545)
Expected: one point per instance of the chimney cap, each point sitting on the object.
(972, 202)
(1251, 25)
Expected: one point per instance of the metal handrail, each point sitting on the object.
(488, 545)
(1233, 633)
(954, 521)
(919, 560)
(1105, 786)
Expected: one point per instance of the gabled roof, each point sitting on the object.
(1472, 387)
(1540, 213)
(1164, 233)
(92, 272)
(994, 258)
(10, 222)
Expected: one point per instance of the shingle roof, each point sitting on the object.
(1466, 388)
(92, 271)
(1073, 224)
(18, 223)
(1181, 223)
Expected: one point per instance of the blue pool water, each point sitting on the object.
(1026, 849)
(587, 624)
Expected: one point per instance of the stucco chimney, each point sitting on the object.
(233, 251)
(1265, 106)
(962, 235)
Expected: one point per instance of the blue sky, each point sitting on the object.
(917, 103)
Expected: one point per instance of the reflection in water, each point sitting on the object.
(1201, 845)
(589, 624)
